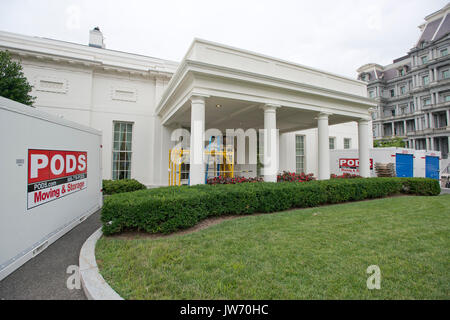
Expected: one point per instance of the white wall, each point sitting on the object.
(89, 97)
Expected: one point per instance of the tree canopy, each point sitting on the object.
(13, 83)
(394, 142)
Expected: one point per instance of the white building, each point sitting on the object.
(140, 100)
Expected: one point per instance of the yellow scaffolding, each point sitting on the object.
(175, 166)
(222, 162)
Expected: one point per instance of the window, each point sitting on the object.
(424, 59)
(426, 101)
(299, 154)
(446, 74)
(403, 90)
(403, 109)
(401, 72)
(393, 112)
(331, 143)
(347, 143)
(371, 94)
(122, 136)
(447, 98)
(392, 92)
(444, 52)
(425, 80)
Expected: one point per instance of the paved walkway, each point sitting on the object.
(44, 277)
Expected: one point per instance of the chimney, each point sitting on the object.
(96, 38)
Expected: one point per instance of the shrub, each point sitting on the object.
(294, 177)
(169, 209)
(227, 180)
(120, 186)
(345, 176)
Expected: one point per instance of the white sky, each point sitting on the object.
(338, 36)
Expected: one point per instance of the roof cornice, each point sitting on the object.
(196, 67)
(86, 54)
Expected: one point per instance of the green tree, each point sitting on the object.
(394, 142)
(13, 84)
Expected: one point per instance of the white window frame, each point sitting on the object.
(118, 151)
(303, 157)
(349, 143)
(334, 143)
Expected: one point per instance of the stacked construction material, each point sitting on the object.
(385, 169)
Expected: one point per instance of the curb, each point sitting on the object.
(94, 286)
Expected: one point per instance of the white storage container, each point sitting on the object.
(51, 170)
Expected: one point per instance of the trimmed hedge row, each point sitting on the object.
(167, 209)
(120, 186)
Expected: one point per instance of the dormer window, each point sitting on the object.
(365, 77)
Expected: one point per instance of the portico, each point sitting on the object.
(220, 87)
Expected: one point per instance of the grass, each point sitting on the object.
(317, 253)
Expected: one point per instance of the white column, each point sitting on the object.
(270, 169)
(197, 167)
(323, 147)
(363, 148)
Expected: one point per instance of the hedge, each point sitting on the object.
(168, 209)
(120, 186)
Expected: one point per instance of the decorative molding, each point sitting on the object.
(51, 84)
(124, 94)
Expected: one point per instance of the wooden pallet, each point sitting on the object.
(385, 169)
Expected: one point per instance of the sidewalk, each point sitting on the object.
(44, 277)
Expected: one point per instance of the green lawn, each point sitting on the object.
(317, 253)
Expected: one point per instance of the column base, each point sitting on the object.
(270, 178)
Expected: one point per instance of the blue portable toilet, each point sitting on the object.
(432, 167)
(404, 165)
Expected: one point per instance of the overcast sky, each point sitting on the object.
(338, 36)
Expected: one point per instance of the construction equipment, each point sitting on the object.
(219, 162)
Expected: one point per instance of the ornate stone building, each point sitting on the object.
(413, 93)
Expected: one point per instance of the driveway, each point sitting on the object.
(45, 277)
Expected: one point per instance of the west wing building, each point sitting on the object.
(138, 101)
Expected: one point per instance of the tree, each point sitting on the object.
(384, 143)
(13, 84)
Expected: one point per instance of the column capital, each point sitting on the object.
(363, 121)
(268, 107)
(323, 115)
(198, 98)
